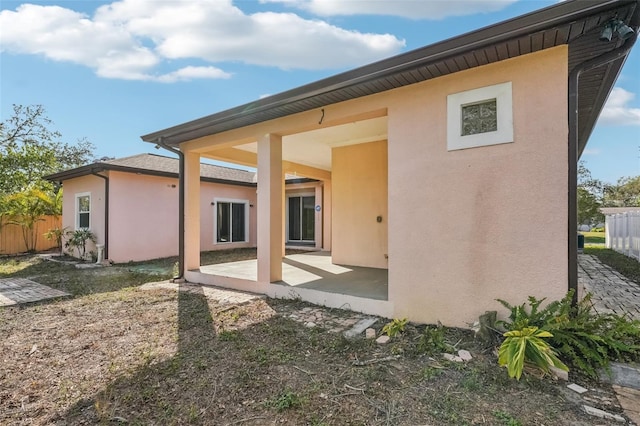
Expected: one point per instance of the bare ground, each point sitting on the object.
(128, 355)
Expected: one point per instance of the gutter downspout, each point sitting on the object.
(574, 77)
(180, 154)
(106, 212)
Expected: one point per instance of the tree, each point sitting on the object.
(590, 194)
(29, 150)
(26, 208)
(626, 193)
(588, 208)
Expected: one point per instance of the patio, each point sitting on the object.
(313, 271)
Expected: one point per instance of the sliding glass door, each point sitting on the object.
(301, 212)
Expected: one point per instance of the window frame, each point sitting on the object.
(288, 216)
(503, 94)
(231, 201)
(78, 196)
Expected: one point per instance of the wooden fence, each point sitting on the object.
(12, 242)
(622, 233)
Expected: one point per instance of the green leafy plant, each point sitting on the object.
(395, 327)
(527, 346)
(78, 240)
(506, 418)
(432, 340)
(56, 234)
(285, 400)
(587, 341)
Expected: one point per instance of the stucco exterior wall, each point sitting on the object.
(94, 186)
(359, 176)
(464, 226)
(143, 214)
(143, 217)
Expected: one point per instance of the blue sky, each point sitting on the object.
(112, 71)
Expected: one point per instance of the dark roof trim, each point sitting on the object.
(104, 167)
(266, 108)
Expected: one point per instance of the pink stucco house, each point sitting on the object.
(131, 205)
(431, 163)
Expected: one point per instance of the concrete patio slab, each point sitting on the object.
(314, 271)
(15, 291)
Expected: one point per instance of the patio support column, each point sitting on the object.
(270, 202)
(191, 211)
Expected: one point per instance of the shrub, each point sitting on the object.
(78, 240)
(432, 340)
(585, 340)
(395, 327)
(527, 345)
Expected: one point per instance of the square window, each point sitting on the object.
(480, 117)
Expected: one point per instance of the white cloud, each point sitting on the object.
(129, 39)
(589, 151)
(617, 110)
(413, 9)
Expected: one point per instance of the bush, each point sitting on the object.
(527, 345)
(585, 340)
(78, 240)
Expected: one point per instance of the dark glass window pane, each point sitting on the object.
(83, 220)
(224, 222)
(308, 218)
(237, 222)
(294, 219)
(481, 117)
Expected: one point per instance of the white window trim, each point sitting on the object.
(246, 219)
(502, 93)
(77, 208)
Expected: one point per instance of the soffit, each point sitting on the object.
(313, 148)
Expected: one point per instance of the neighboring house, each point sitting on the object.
(131, 205)
(436, 164)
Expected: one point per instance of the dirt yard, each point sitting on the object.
(119, 353)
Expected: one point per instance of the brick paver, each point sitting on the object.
(14, 291)
(612, 292)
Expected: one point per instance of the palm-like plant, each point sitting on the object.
(527, 345)
(25, 209)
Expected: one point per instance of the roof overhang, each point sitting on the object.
(97, 168)
(576, 23)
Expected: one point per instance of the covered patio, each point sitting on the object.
(307, 276)
(313, 271)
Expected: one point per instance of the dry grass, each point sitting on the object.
(164, 357)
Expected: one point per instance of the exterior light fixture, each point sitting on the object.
(616, 26)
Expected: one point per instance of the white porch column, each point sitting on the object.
(270, 202)
(192, 210)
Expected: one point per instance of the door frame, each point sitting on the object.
(287, 218)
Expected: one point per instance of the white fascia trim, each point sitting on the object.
(502, 93)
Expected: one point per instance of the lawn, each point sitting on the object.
(119, 352)
(593, 237)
